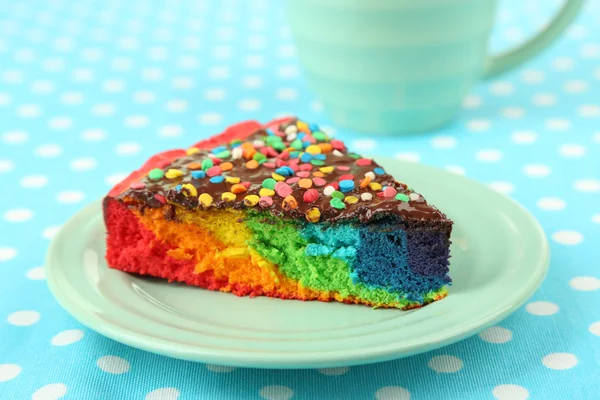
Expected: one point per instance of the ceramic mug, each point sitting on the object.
(403, 66)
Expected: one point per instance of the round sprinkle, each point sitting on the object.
(414, 196)
(337, 195)
(232, 179)
(335, 185)
(207, 163)
(303, 174)
(198, 174)
(306, 157)
(328, 190)
(216, 179)
(305, 183)
(283, 189)
(213, 171)
(290, 137)
(205, 200)
(218, 149)
(318, 174)
(284, 171)
(162, 199)
(264, 192)
(252, 164)
(375, 186)
(337, 204)
(265, 202)
(402, 197)
(292, 180)
(277, 177)
(310, 196)
(306, 167)
(189, 190)
(319, 181)
(192, 150)
(236, 153)
(346, 177)
(343, 168)
(317, 162)
(320, 136)
(337, 153)
(137, 185)
(156, 174)
(363, 162)
(226, 166)
(389, 192)
(251, 200)
(228, 196)
(193, 166)
(291, 129)
(303, 126)
(259, 157)
(379, 171)
(366, 197)
(289, 203)
(337, 144)
(173, 174)
(351, 199)
(370, 174)
(269, 183)
(313, 215)
(326, 170)
(237, 188)
(346, 185)
(313, 149)
(365, 182)
(269, 165)
(223, 154)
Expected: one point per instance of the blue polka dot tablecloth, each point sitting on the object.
(90, 89)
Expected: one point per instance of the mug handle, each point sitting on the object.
(504, 62)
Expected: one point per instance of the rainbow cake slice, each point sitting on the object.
(279, 210)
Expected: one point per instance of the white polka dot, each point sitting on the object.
(163, 394)
(176, 106)
(445, 364)
(103, 109)
(48, 150)
(223, 52)
(93, 135)
(50, 232)
(502, 88)
(221, 72)
(113, 86)
(158, 53)
(510, 392)
(572, 150)
(363, 144)
(288, 71)
(114, 179)
(215, 94)
(456, 169)
(70, 197)
(536, 170)
(170, 131)
(562, 64)
(489, 155)
(113, 364)
(127, 43)
(36, 274)
(210, 118)
(533, 76)
(276, 393)
(15, 137)
(54, 391)
(144, 97)
(286, 94)
(479, 125)
(29, 111)
(82, 75)
(254, 61)
(334, 371)
(5, 99)
(67, 337)
(596, 218)
(152, 74)
(191, 43)
(409, 156)
(18, 215)
(560, 361)
(128, 149)
(513, 112)
(9, 372)
(593, 328)
(569, 238)
(597, 137)
(182, 82)
(12, 76)
(558, 124)
(6, 165)
(577, 32)
(219, 368)
(23, 318)
(318, 107)
(249, 105)
(24, 55)
(188, 62)
(589, 110)
(136, 121)
(585, 283)
(496, 334)
(42, 87)
(72, 98)
(551, 204)
(443, 142)
(121, 64)
(252, 82)
(54, 64)
(83, 164)
(91, 54)
(471, 101)
(7, 253)
(590, 51)
(544, 99)
(541, 308)
(392, 393)
(502, 187)
(587, 185)
(575, 86)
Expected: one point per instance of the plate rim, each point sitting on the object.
(208, 355)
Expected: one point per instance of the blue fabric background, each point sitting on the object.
(90, 89)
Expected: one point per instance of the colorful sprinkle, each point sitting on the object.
(137, 185)
(370, 174)
(402, 197)
(246, 184)
(375, 186)
(326, 170)
(269, 183)
(252, 164)
(285, 171)
(289, 203)
(224, 154)
(205, 200)
(291, 129)
(216, 179)
(161, 199)
(316, 162)
(192, 150)
(337, 153)
(258, 157)
(269, 165)
(264, 192)
(366, 197)
(236, 153)
(362, 162)
(325, 147)
(318, 174)
(365, 182)
(303, 174)
(292, 180)
(218, 149)
(313, 215)
(173, 174)
(319, 181)
(198, 174)
(228, 196)
(207, 163)
(283, 189)
(265, 202)
(213, 171)
(351, 199)
(337, 144)
(189, 190)
(277, 177)
(226, 166)
(414, 196)
(389, 192)
(305, 183)
(232, 179)
(337, 203)
(310, 196)
(346, 185)
(193, 166)
(156, 174)
(251, 200)
(237, 188)
(305, 167)
(320, 136)
(343, 168)
(306, 157)
(337, 195)
(328, 190)
(379, 171)
(313, 149)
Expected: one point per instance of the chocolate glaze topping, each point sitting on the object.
(153, 192)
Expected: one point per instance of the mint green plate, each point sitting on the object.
(499, 258)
